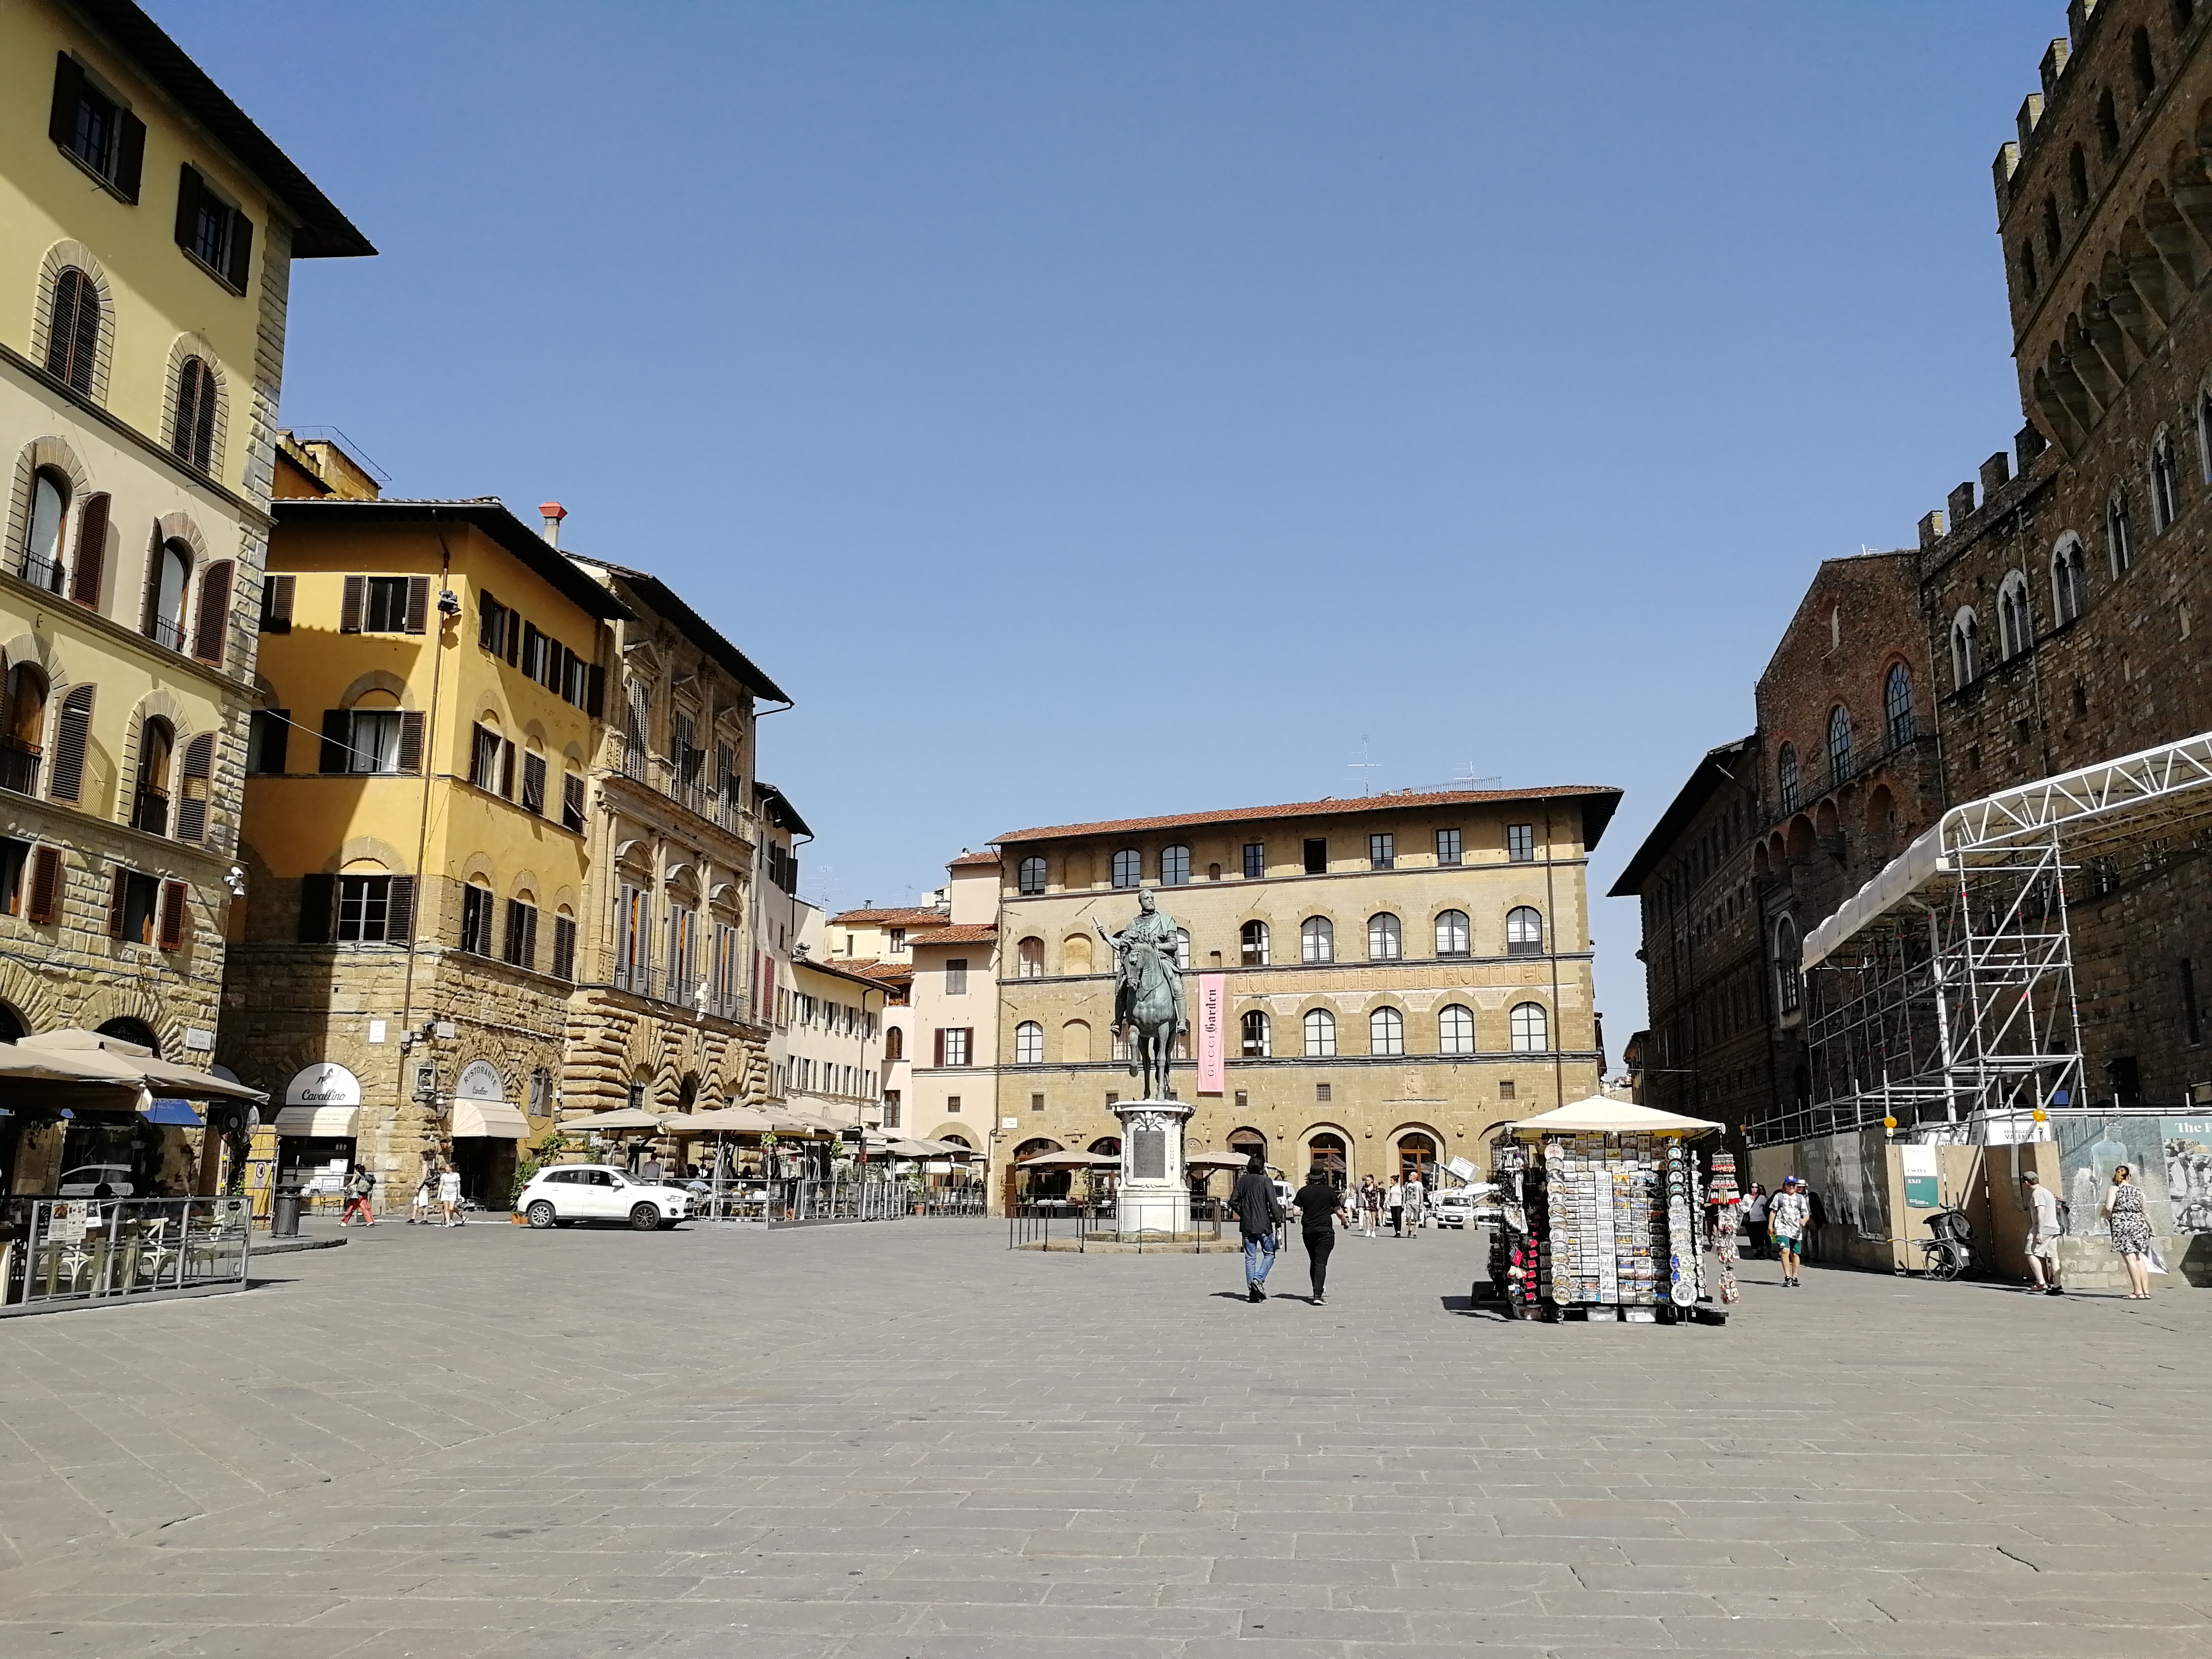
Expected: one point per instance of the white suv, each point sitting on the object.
(600, 1192)
(1458, 1205)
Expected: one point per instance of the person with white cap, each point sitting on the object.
(1786, 1220)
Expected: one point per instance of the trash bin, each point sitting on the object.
(284, 1213)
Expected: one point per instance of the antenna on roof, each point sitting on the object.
(1364, 762)
(1468, 779)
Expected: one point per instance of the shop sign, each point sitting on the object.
(479, 1080)
(66, 1222)
(1923, 1190)
(325, 1084)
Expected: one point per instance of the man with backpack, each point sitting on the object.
(2045, 1227)
(1259, 1213)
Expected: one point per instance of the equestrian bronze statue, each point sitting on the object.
(1148, 1000)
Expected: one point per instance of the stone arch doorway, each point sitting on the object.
(1032, 1186)
(1329, 1157)
(1417, 1156)
(13, 1027)
(1248, 1140)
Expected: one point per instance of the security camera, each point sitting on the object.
(449, 604)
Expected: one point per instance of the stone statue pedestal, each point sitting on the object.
(1154, 1197)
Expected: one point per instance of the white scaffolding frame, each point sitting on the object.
(1942, 992)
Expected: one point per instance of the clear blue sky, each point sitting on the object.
(1473, 387)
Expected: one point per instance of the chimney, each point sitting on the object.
(554, 512)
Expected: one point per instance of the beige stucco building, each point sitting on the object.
(1402, 973)
(952, 1042)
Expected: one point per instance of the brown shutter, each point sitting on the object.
(197, 442)
(572, 802)
(187, 412)
(189, 190)
(506, 769)
(191, 806)
(941, 1045)
(317, 897)
(71, 735)
(46, 884)
(172, 936)
(241, 252)
(968, 1032)
(488, 622)
(595, 691)
(418, 604)
(530, 937)
(399, 913)
(91, 550)
(276, 603)
(337, 740)
(129, 156)
(119, 895)
(214, 619)
(154, 556)
(514, 652)
(411, 742)
(69, 91)
(356, 592)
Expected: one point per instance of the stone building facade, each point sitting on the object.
(150, 230)
(1402, 973)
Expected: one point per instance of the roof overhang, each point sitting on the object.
(529, 549)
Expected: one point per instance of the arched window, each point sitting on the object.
(1029, 1044)
(149, 796)
(1966, 648)
(42, 550)
(1840, 764)
(191, 439)
(1454, 938)
(22, 743)
(1252, 944)
(1321, 1034)
(1075, 1041)
(1417, 1160)
(1386, 1032)
(2014, 627)
(1897, 706)
(1316, 939)
(1386, 942)
(1175, 867)
(2077, 177)
(73, 330)
(1455, 1029)
(1524, 931)
(2139, 60)
(1259, 1041)
(1532, 1029)
(2120, 534)
(2108, 125)
(1028, 957)
(1789, 982)
(2165, 485)
(1128, 867)
(894, 1043)
(165, 594)
(1786, 773)
(1032, 876)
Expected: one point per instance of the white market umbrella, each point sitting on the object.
(1601, 1114)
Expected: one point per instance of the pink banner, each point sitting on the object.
(1213, 1033)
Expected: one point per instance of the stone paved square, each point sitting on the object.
(902, 1441)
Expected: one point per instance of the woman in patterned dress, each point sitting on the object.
(2131, 1226)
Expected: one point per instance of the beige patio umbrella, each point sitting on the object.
(1070, 1161)
(159, 1075)
(623, 1120)
(723, 1120)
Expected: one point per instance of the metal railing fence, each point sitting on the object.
(82, 1249)
(1036, 1225)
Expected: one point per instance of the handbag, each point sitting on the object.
(2157, 1261)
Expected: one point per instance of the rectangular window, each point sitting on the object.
(491, 624)
(952, 1045)
(133, 903)
(891, 1108)
(1505, 1088)
(952, 1104)
(1521, 842)
(14, 854)
(1320, 1092)
(1382, 852)
(898, 939)
(475, 920)
(268, 736)
(364, 909)
(1447, 846)
(564, 947)
(572, 802)
(276, 603)
(373, 741)
(1255, 859)
(955, 978)
(1316, 856)
(385, 609)
(521, 942)
(483, 758)
(533, 785)
(633, 938)
(95, 130)
(1036, 1102)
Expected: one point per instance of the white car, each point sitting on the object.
(84, 1181)
(600, 1192)
(1459, 1206)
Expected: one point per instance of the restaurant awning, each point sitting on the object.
(318, 1122)
(489, 1119)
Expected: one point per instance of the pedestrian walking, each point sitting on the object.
(425, 1190)
(2130, 1228)
(359, 1184)
(449, 1196)
(1754, 1219)
(1319, 1203)
(1259, 1213)
(2045, 1228)
(1394, 1199)
(1786, 1218)
(1417, 1204)
(652, 1172)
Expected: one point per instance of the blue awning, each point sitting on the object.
(178, 1113)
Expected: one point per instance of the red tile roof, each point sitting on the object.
(972, 858)
(883, 973)
(905, 918)
(971, 932)
(1603, 800)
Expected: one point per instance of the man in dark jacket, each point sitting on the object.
(1259, 1213)
(1319, 1202)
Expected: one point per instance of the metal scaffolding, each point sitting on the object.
(1942, 992)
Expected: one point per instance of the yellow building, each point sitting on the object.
(1400, 974)
(433, 678)
(147, 232)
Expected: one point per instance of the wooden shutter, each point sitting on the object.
(241, 250)
(130, 154)
(418, 604)
(276, 603)
(189, 191)
(317, 902)
(213, 620)
(595, 691)
(155, 555)
(68, 92)
(941, 1045)
(91, 550)
(513, 651)
(529, 957)
(411, 742)
(356, 592)
(968, 1045)
(337, 740)
(572, 802)
(506, 769)
(192, 806)
(46, 884)
(72, 733)
(118, 898)
(172, 934)
(399, 913)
